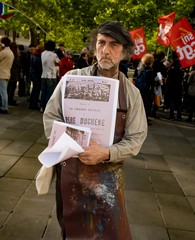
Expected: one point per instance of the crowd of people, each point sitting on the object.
(168, 86)
(37, 70)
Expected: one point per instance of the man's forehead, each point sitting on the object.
(106, 37)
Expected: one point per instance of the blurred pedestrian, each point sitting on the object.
(147, 75)
(83, 60)
(28, 58)
(35, 76)
(50, 61)
(191, 93)
(174, 89)
(60, 51)
(15, 75)
(66, 63)
(6, 61)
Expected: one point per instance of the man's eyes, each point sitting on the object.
(112, 44)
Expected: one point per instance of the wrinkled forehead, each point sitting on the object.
(106, 37)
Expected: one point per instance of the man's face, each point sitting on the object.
(32, 50)
(108, 52)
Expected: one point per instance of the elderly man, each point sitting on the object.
(90, 189)
(6, 61)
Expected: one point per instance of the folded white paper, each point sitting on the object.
(64, 148)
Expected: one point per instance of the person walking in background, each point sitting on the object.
(191, 93)
(160, 70)
(66, 63)
(6, 61)
(28, 58)
(83, 60)
(50, 61)
(15, 75)
(21, 83)
(174, 89)
(60, 51)
(35, 76)
(146, 77)
(79, 203)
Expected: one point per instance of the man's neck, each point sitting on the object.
(108, 73)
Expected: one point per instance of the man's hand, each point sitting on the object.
(94, 154)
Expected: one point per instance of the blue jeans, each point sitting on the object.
(47, 87)
(3, 94)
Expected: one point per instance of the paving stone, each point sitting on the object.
(33, 132)
(142, 232)
(191, 140)
(177, 212)
(165, 182)
(142, 209)
(187, 182)
(154, 161)
(142, 182)
(192, 202)
(192, 162)
(3, 216)
(53, 230)
(25, 168)
(24, 226)
(32, 204)
(135, 162)
(4, 143)
(179, 164)
(21, 125)
(35, 150)
(187, 131)
(11, 134)
(151, 146)
(181, 235)
(12, 190)
(42, 140)
(6, 162)
(168, 147)
(17, 148)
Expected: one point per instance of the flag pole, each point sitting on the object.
(28, 18)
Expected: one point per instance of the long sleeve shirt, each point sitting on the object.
(136, 124)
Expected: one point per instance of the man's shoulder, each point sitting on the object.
(7, 52)
(88, 71)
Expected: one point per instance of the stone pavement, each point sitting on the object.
(160, 181)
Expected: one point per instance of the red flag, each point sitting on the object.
(138, 36)
(182, 38)
(166, 23)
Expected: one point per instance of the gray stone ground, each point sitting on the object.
(160, 181)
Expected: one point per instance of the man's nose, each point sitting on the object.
(106, 48)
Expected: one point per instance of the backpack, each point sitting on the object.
(141, 80)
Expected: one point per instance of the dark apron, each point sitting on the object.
(90, 199)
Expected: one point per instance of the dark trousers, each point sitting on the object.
(47, 87)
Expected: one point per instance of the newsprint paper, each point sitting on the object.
(65, 141)
(91, 101)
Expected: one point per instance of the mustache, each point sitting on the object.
(106, 57)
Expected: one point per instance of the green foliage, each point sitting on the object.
(70, 21)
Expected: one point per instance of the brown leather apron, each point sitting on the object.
(90, 199)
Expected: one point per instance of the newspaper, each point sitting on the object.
(65, 141)
(91, 101)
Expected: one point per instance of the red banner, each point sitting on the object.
(138, 36)
(182, 38)
(166, 23)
